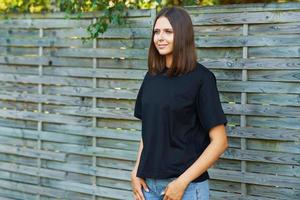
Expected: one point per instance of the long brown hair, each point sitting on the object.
(184, 51)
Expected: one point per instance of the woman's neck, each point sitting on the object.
(169, 59)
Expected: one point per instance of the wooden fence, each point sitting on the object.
(67, 129)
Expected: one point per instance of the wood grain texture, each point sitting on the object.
(67, 129)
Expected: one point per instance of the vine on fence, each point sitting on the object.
(113, 10)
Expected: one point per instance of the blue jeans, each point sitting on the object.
(194, 191)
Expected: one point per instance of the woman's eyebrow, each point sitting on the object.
(163, 29)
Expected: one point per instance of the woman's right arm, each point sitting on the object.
(134, 171)
(136, 182)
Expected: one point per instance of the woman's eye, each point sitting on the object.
(166, 31)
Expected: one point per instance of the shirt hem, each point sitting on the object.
(143, 175)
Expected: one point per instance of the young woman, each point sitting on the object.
(183, 123)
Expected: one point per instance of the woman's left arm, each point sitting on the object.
(210, 155)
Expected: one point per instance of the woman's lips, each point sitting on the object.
(162, 46)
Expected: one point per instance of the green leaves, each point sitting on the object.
(113, 10)
(113, 14)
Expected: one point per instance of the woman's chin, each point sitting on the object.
(163, 53)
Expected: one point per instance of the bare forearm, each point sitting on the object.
(138, 157)
(209, 156)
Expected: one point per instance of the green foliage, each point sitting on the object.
(113, 10)
(23, 6)
(113, 14)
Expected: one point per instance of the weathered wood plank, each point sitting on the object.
(100, 53)
(274, 146)
(19, 51)
(249, 7)
(271, 99)
(89, 170)
(249, 41)
(33, 189)
(118, 144)
(255, 178)
(17, 32)
(73, 62)
(123, 134)
(218, 30)
(129, 33)
(17, 142)
(71, 131)
(44, 23)
(10, 193)
(9, 59)
(96, 73)
(14, 69)
(34, 171)
(228, 187)
(114, 183)
(216, 195)
(264, 133)
(261, 52)
(66, 23)
(56, 118)
(218, 63)
(43, 42)
(251, 63)
(17, 159)
(142, 43)
(32, 153)
(44, 79)
(261, 110)
(268, 122)
(26, 179)
(273, 168)
(18, 87)
(245, 18)
(44, 60)
(273, 192)
(278, 28)
(274, 75)
(258, 87)
(91, 112)
(115, 163)
(262, 156)
(42, 98)
(89, 189)
(45, 135)
(90, 150)
(103, 92)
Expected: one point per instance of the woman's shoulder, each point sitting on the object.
(202, 71)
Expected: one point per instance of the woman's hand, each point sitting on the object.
(137, 184)
(175, 190)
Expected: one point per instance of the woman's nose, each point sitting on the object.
(161, 36)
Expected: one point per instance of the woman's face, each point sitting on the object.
(163, 36)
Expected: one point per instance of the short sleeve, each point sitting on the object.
(138, 102)
(209, 107)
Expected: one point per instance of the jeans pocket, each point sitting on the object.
(202, 190)
(149, 183)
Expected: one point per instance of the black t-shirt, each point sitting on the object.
(176, 113)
